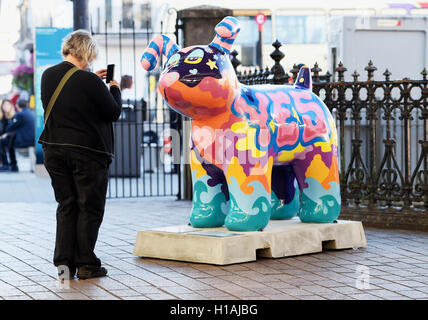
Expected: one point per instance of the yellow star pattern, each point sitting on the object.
(212, 64)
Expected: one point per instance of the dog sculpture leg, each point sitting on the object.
(285, 195)
(318, 177)
(250, 194)
(210, 202)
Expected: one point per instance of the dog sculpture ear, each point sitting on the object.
(160, 44)
(226, 32)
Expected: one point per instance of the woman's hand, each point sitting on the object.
(102, 74)
(114, 83)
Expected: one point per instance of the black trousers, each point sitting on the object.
(79, 179)
(7, 146)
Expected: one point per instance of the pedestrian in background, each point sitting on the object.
(7, 112)
(19, 133)
(126, 83)
(128, 98)
(78, 149)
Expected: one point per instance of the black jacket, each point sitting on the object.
(83, 113)
(23, 124)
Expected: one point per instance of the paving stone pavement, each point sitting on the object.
(394, 265)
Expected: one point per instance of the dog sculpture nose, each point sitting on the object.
(168, 79)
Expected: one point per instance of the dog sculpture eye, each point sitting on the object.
(195, 56)
(173, 60)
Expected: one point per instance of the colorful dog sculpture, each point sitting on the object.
(249, 144)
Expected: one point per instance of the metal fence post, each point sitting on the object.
(277, 70)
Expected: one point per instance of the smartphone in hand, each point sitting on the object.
(110, 73)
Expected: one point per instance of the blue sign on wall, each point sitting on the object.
(47, 53)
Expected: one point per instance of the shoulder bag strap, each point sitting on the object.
(58, 91)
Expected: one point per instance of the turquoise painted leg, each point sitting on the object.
(282, 210)
(249, 211)
(210, 205)
(248, 215)
(285, 195)
(320, 200)
(325, 209)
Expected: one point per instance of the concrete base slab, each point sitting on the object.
(281, 238)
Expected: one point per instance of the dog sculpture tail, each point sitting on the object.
(304, 79)
(160, 44)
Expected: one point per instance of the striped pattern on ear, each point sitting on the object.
(160, 44)
(226, 32)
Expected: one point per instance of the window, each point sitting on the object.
(249, 33)
(248, 39)
(145, 16)
(301, 29)
(109, 19)
(127, 13)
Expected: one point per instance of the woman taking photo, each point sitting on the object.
(78, 148)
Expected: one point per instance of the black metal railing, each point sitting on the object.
(142, 166)
(382, 128)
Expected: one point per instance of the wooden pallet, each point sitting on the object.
(219, 246)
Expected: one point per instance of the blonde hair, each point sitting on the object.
(81, 45)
